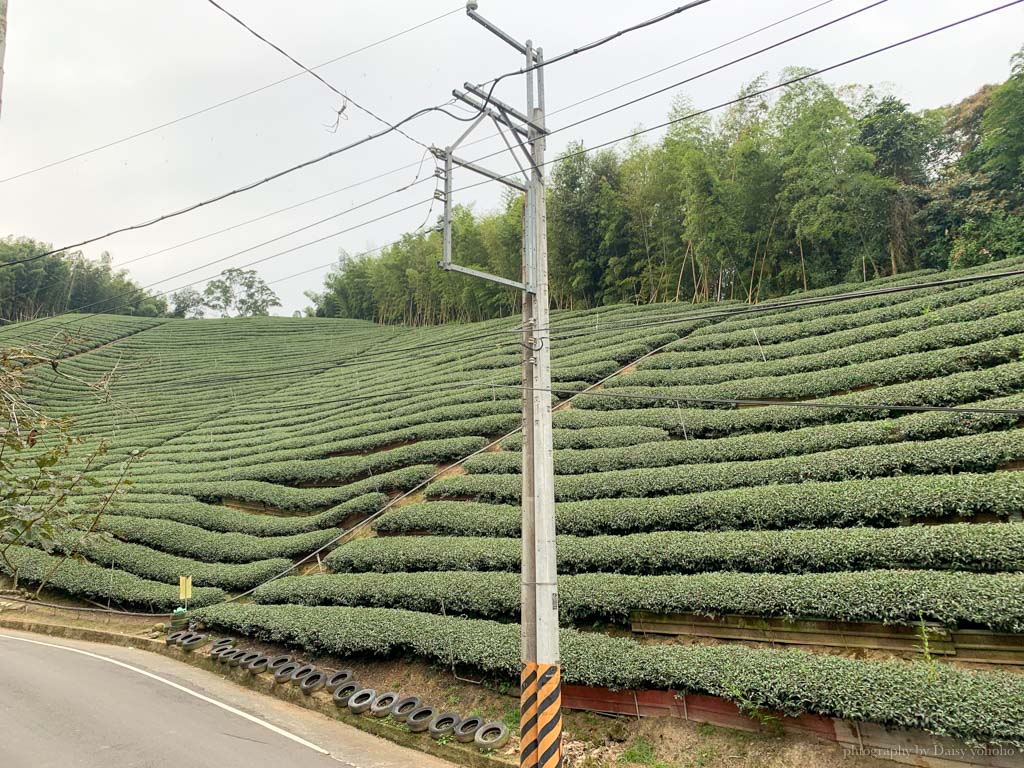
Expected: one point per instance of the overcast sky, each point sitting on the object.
(79, 75)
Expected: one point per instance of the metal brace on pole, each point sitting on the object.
(540, 697)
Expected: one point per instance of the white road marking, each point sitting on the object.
(189, 691)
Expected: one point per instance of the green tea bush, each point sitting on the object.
(981, 707)
(343, 468)
(826, 318)
(299, 499)
(597, 437)
(955, 390)
(985, 306)
(94, 582)
(972, 453)
(918, 426)
(149, 563)
(896, 596)
(921, 365)
(979, 547)
(200, 544)
(871, 502)
(943, 337)
(214, 517)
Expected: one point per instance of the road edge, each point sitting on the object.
(451, 751)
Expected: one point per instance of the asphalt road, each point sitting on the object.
(115, 707)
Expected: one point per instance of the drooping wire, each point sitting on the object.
(391, 127)
(231, 100)
(484, 138)
(743, 97)
(346, 99)
(532, 67)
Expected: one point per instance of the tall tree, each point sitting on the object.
(241, 291)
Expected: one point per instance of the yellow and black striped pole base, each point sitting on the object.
(540, 722)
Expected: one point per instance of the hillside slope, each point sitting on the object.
(266, 439)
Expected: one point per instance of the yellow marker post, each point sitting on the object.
(185, 589)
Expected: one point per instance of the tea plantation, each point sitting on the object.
(266, 439)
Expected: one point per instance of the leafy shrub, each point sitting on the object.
(940, 338)
(918, 426)
(953, 390)
(827, 318)
(597, 437)
(982, 547)
(98, 583)
(985, 306)
(981, 707)
(920, 365)
(955, 454)
(876, 501)
(902, 597)
(151, 564)
(298, 499)
(198, 543)
(214, 517)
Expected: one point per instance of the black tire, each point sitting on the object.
(465, 731)
(223, 641)
(444, 724)
(361, 701)
(234, 659)
(247, 659)
(313, 682)
(174, 637)
(338, 679)
(258, 665)
(218, 654)
(419, 719)
(301, 673)
(277, 662)
(491, 736)
(283, 674)
(381, 706)
(344, 692)
(191, 643)
(400, 709)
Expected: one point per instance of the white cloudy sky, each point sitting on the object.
(79, 75)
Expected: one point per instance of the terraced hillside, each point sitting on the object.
(266, 440)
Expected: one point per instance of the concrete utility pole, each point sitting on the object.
(541, 697)
(3, 48)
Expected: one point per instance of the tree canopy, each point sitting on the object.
(810, 187)
(64, 282)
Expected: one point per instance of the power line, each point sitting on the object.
(345, 97)
(688, 59)
(720, 67)
(142, 289)
(579, 122)
(484, 138)
(391, 127)
(591, 46)
(231, 100)
(743, 97)
(746, 96)
(416, 180)
(588, 47)
(236, 191)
